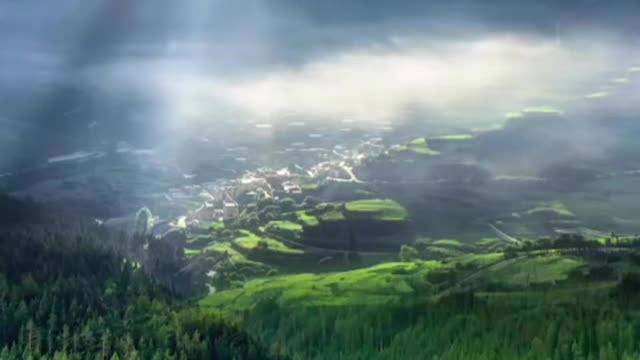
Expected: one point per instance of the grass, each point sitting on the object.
(380, 284)
(191, 252)
(226, 246)
(478, 260)
(217, 226)
(284, 226)
(382, 209)
(417, 146)
(307, 220)
(418, 142)
(550, 208)
(420, 146)
(450, 243)
(332, 215)
(423, 151)
(437, 252)
(310, 187)
(542, 110)
(543, 269)
(513, 115)
(453, 137)
(597, 95)
(250, 241)
(533, 111)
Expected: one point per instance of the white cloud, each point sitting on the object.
(466, 81)
(459, 81)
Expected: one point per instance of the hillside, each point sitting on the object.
(413, 309)
(66, 292)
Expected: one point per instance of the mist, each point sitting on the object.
(465, 83)
(157, 74)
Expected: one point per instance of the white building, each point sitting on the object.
(291, 188)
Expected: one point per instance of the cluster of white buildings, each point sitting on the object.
(223, 200)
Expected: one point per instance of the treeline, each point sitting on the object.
(460, 327)
(66, 292)
(573, 242)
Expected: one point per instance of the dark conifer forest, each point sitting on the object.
(67, 292)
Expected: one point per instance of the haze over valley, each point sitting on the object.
(319, 180)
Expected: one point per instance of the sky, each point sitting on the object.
(86, 72)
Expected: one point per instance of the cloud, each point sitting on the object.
(462, 82)
(152, 64)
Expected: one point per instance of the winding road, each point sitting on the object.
(504, 235)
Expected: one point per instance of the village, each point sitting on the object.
(225, 199)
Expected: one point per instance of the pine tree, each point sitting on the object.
(65, 338)
(51, 335)
(105, 344)
(30, 339)
(4, 354)
(87, 339)
(75, 343)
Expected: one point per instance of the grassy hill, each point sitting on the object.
(379, 209)
(251, 242)
(393, 283)
(418, 146)
(379, 284)
(546, 269)
(426, 309)
(549, 209)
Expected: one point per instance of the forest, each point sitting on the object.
(70, 291)
(66, 292)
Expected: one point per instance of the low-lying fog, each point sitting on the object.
(161, 74)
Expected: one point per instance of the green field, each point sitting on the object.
(543, 269)
(478, 260)
(284, 226)
(399, 310)
(450, 243)
(310, 187)
(379, 284)
(306, 219)
(416, 146)
(226, 246)
(438, 252)
(250, 241)
(332, 215)
(550, 208)
(542, 110)
(597, 95)
(381, 209)
(387, 283)
(453, 137)
(420, 146)
(191, 252)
